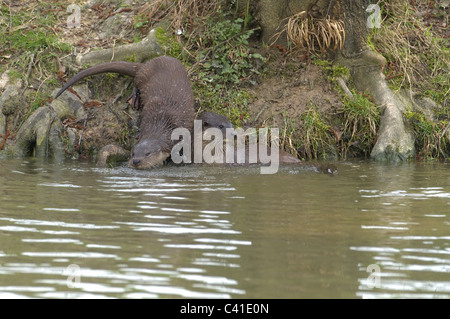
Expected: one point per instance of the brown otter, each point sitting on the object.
(112, 153)
(126, 68)
(215, 120)
(167, 103)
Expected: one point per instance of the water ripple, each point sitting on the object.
(427, 192)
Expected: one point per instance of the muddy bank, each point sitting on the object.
(314, 103)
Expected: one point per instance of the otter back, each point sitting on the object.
(167, 103)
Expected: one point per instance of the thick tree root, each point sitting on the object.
(395, 142)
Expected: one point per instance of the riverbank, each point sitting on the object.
(232, 73)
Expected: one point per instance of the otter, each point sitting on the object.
(215, 120)
(167, 102)
(112, 153)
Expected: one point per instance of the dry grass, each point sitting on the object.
(415, 52)
(312, 34)
(414, 39)
(181, 13)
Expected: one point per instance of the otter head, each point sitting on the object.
(147, 154)
(329, 169)
(210, 119)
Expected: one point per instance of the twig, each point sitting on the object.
(261, 112)
(2, 145)
(48, 131)
(390, 77)
(30, 65)
(344, 87)
(10, 16)
(113, 50)
(329, 7)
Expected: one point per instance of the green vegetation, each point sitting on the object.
(332, 70)
(26, 31)
(356, 123)
(231, 102)
(360, 121)
(288, 131)
(30, 49)
(315, 137)
(418, 59)
(351, 132)
(224, 64)
(431, 136)
(224, 53)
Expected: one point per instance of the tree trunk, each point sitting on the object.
(272, 15)
(394, 142)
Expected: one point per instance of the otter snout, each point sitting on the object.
(150, 161)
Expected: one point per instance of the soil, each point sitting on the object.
(288, 89)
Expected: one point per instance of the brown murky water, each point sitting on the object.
(372, 231)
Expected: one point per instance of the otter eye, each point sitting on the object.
(147, 154)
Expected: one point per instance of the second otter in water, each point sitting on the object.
(221, 122)
(167, 103)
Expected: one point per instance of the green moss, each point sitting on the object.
(170, 44)
(333, 71)
(14, 75)
(131, 58)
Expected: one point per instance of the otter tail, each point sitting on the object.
(127, 68)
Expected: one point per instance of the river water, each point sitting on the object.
(371, 231)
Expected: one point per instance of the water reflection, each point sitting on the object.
(192, 232)
(126, 233)
(408, 209)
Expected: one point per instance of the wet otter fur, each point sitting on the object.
(126, 68)
(167, 103)
(215, 120)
